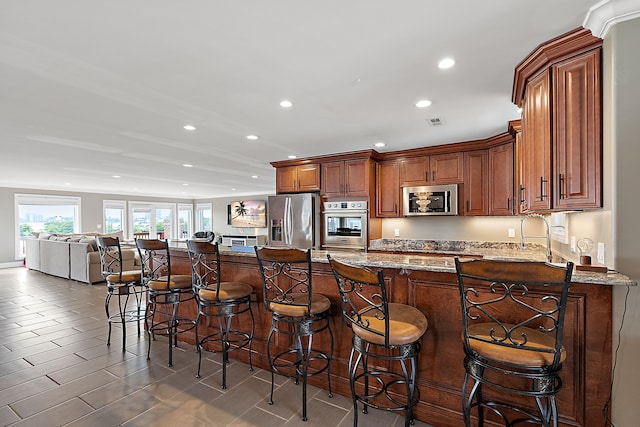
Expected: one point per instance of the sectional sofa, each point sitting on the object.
(72, 257)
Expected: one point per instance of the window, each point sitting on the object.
(185, 221)
(114, 215)
(40, 213)
(152, 220)
(204, 217)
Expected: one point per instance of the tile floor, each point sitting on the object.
(56, 369)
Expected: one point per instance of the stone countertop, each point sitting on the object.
(442, 260)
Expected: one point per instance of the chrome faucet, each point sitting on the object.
(547, 237)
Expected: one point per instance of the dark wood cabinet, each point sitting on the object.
(298, 179)
(536, 144)
(388, 189)
(432, 170)
(501, 180)
(476, 183)
(347, 178)
(560, 157)
(577, 144)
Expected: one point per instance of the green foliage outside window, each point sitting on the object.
(26, 229)
(59, 226)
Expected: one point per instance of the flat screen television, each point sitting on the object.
(249, 213)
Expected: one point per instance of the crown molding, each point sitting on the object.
(607, 13)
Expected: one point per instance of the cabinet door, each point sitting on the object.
(333, 179)
(536, 133)
(501, 178)
(414, 171)
(286, 179)
(476, 183)
(309, 177)
(387, 189)
(356, 177)
(447, 169)
(577, 140)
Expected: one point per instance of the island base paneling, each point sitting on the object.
(586, 373)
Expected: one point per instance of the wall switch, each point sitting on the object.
(573, 244)
(99, 226)
(396, 232)
(601, 249)
(511, 232)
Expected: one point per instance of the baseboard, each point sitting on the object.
(11, 264)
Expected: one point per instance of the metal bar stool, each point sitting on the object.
(296, 312)
(166, 291)
(513, 319)
(387, 332)
(121, 283)
(222, 301)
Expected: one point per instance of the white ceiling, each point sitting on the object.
(91, 89)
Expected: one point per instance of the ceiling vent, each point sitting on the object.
(435, 121)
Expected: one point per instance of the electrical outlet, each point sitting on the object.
(573, 244)
(511, 232)
(601, 249)
(396, 232)
(98, 226)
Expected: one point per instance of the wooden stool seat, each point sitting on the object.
(227, 291)
(298, 307)
(406, 325)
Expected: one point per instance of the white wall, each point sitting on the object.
(622, 91)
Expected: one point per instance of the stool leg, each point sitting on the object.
(365, 366)
(330, 358)
(198, 344)
(122, 311)
(224, 334)
(273, 327)
(106, 310)
(353, 367)
(253, 327)
(305, 372)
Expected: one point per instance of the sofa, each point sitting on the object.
(74, 257)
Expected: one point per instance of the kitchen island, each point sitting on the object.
(428, 282)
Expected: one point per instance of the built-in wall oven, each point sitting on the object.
(345, 225)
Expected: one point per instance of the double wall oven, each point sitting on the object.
(345, 225)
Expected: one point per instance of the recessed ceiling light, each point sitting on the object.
(185, 184)
(115, 176)
(292, 157)
(187, 165)
(446, 63)
(423, 103)
(380, 144)
(252, 137)
(189, 127)
(67, 183)
(233, 189)
(254, 176)
(285, 103)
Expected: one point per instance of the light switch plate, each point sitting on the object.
(512, 232)
(396, 232)
(573, 244)
(601, 249)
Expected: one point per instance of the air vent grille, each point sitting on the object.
(434, 121)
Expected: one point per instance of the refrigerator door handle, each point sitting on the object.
(288, 220)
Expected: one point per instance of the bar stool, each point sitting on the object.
(222, 301)
(387, 332)
(513, 319)
(296, 312)
(166, 291)
(121, 283)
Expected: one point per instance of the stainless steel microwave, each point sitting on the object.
(430, 200)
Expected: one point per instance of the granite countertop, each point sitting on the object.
(438, 256)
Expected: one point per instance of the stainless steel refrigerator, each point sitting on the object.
(294, 220)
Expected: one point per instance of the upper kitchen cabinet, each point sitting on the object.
(432, 170)
(388, 189)
(298, 178)
(559, 159)
(352, 177)
(476, 183)
(501, 180)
